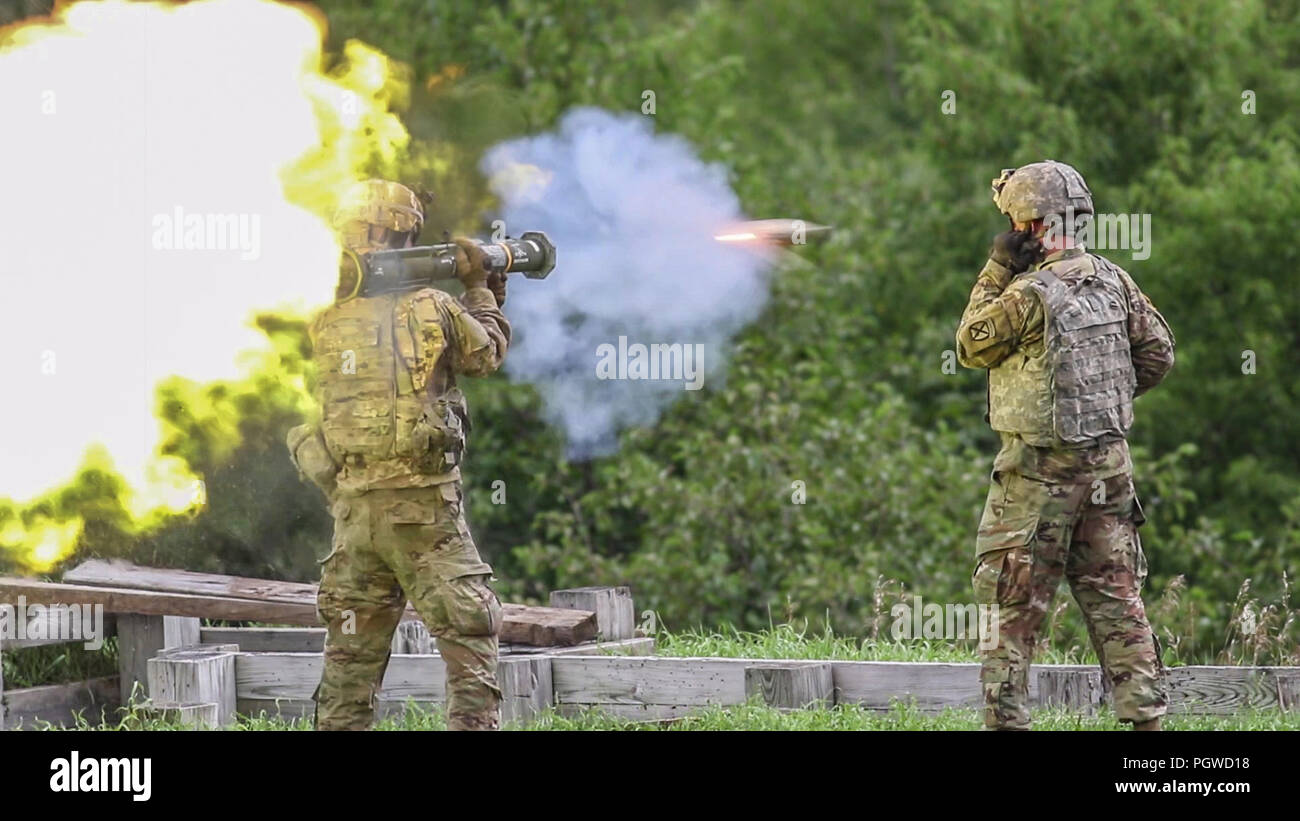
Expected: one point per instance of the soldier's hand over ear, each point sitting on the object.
(470, 268)
(1017, 250)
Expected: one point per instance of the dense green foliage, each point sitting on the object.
(832, 111)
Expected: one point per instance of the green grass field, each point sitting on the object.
(784, 641)
(760, 717)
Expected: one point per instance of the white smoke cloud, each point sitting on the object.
(633, 215)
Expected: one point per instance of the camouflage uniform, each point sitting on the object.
(386, 452)
(1056, 509)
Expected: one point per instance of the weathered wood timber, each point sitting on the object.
(152, 603)
(194, 676)
(615, 614)
(295, 602)
(1077, 690)
(60, 704)
(543, 626)
(791, 687)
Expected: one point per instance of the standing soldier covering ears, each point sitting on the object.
(1068, 340)
(387, 454)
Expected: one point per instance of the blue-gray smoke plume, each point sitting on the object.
(633, 215)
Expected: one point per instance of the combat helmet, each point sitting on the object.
(378, 214)
(1041, 189)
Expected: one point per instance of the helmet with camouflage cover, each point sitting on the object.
(378, 214)
(1040, 189)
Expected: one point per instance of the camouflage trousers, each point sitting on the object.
(391, 545)
(1034, 532)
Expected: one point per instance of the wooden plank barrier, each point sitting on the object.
(658, 688)
(205, 676)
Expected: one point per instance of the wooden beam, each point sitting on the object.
(295, 602)
(150, 603)
(526, 688)
(791, 687)
(546, 625)
(1216, 690)
(636, 687)
(194, 676)
(615, 614)
(667, 687)
(267, 639)
(117, 573)
(283, 684)
(263, 679)
(933, 686)
(627, 647)
(59, 704)
(664, 687)
(268, 676)
(1076, 690)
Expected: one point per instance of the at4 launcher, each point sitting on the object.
(410, 269)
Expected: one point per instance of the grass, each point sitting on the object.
(57, 664)
(753, 716)
(786, 641)
(1259, 632)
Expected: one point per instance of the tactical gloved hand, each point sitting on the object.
(1016, 250)
(470, 267)
(496, 283)
(311, 457)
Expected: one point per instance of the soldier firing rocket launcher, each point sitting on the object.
(406, 269)
(532, 254)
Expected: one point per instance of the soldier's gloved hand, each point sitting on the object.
(1016, 250)
(470, 263)
(309, 454)
(496, 283)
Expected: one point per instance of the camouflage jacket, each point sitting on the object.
(1005, 314)
(447, 337)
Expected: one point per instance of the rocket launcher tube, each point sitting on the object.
(409, 269)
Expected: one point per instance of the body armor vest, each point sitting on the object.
(1073, 389)
(374, 360)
